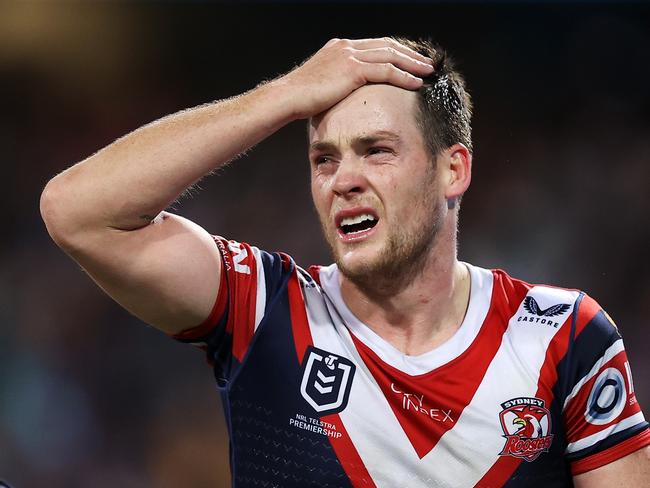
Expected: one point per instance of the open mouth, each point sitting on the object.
(358, 224)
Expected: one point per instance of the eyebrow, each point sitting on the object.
(365, 140)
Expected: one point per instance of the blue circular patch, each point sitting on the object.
(607, 398)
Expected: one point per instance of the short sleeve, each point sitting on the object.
(250, 278)
(603, 420)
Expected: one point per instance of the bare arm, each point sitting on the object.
(631, 470)
(107, 212)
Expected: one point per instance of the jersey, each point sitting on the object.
(534, 386)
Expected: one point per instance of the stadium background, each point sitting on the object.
(89, 397)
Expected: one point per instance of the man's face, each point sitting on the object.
(374, 185)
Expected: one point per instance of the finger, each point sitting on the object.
(388, 42)
(389, 73)
(396, 58)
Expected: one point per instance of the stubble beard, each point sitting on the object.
(401, 259)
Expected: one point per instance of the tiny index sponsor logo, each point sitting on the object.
(417, 404)
(542, 316)
(526, 425)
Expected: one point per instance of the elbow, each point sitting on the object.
(57, 213)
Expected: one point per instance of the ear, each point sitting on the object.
(457, 168)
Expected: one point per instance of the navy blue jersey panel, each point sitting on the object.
(587, 349)
(223, 392)
(220, 343)
(219, 351)
(263, 397)
(550, 469)
(274, 274)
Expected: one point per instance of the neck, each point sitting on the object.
(425, 311)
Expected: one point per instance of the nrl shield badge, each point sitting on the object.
(326, 380)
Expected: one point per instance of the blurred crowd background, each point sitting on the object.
(90, 397)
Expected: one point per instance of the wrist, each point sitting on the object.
(284, 100)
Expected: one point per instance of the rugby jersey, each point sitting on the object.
(534, 386)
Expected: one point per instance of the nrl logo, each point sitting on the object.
(326, 380)
(526, 424)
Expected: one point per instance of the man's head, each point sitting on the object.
(384, 170)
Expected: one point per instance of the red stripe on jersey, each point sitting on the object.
(505, 466)
(314, 272)
(500, 472)
(240, 266)
(428, 405)
(299, 322)
(348, 455)
(558, 348)
(628, 446)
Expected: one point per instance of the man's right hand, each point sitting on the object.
(343, 65)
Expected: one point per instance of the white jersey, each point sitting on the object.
(533, 388)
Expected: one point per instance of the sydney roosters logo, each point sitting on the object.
(526, 426)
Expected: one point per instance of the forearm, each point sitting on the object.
(127, 183)
(167, 270)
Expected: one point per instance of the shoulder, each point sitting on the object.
(538, 303)
(540, 307)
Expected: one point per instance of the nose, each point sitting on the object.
(349, 179)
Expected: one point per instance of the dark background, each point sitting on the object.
(90, 397)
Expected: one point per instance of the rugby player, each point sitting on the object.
(398, 365)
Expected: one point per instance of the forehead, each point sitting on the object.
(369, 109)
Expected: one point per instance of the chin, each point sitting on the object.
(369, 269)
(383, 263)
(384, 268)
(355, 268)
(360, 258)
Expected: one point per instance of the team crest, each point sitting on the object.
(526, 426)
(326, 380)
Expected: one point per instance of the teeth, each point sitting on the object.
(357, 220)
